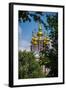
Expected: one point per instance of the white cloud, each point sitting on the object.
(19, 33)
(22, 44)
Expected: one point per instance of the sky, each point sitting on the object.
(25, 31)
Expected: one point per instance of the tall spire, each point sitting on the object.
(40, 27)
(39, 33)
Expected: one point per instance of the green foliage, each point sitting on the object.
(28, 66)
(26, 16)
(48, 57)
(52, 54)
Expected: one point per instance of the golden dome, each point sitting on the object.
(46, 39)
(34, 38)
(34, 42)
(45, 42)
(40, 34)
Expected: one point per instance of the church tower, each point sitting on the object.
(39, 40)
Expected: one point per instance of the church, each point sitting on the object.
(40, 41)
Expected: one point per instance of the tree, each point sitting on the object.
(27, 15)
(28, 66)
(49, 57)
(53, 53)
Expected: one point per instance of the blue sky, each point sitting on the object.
(25, 32)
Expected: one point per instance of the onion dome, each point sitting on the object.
(34, 38)
(39, 34)
(34, 42)
(46, 40)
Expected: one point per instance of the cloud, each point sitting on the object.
(20, 33)
(22, 44)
